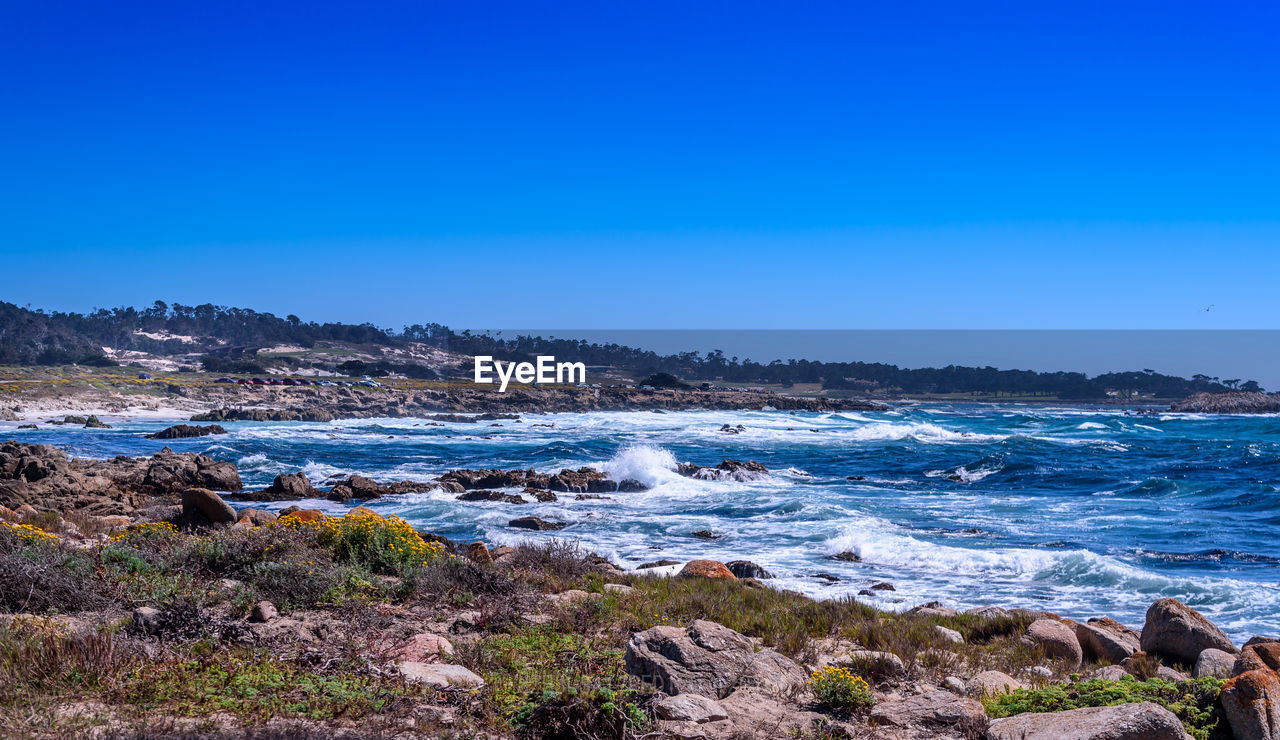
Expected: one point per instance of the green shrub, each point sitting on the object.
(1194, 702)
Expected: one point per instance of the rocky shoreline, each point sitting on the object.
(709, 652)
(1234, 402)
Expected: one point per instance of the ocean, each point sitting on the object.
(1081, 511)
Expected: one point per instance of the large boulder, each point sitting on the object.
(1056, 639)
(1176, 632)
(1107, 640)
(1142, 721)
(201, 504)
(708, 659)
(933, 707)
(1257, 655)
(1251, 702)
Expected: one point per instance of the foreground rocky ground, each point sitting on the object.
(136, 602)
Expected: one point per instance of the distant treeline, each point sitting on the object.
(857, 376)
(227, 336)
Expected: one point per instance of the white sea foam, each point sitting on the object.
(649, 465)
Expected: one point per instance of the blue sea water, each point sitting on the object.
(1082, 511)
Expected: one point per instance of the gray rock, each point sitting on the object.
(991, 683)
(707, 659)
(208, 505)
(948, 634)
(1214, 663)
(439, 675)
(1143, 721)
(689, 708)
(1107, 640)
(954, 685)
(1056, 639)
(1251, 702)
(264, 611)
(1110, 673)
(618, 589)
(146, 619)
(747, 569)
(1177, 632)
(987, 612)
(935, 706)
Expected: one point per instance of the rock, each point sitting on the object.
(933, 707)
(1251, 702)
(988, 612)
(747, 569)
(1260, 640)
(1169, 674)
(991, 683)
(505, 498)
(423, 647)
(933, 609)
(707, 659)
(1177, 632)
(94, 422)
(948, 634)
(439, 675)
(570, 597)
(1214, 663)
(1056, 639)
(256, 517)
(478, 552)
(264, 611)
(618, 589)
(147, 620)
(657, 564)
(755, 713)
(288, 486)
(1107, 640)
(1256, 656)
(1110, 673)
(183, 431)
(707, 569)
(874, 664)
(1141, 721)
(689, 708)
(727, 470)
(25, 512)
(1230, 402)
(303, 515)
(535, 523)
(203, 504)
(882, 586)
(705, 534)
(847, 556)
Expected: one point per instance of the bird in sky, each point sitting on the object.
(1206, 308)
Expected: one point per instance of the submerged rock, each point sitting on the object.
(183, 431)
(535, 523)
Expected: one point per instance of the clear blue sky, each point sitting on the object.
(648, 165)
